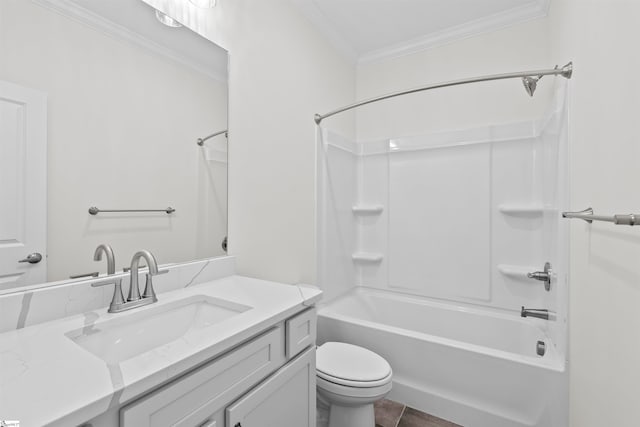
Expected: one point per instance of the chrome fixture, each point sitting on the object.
(225, 241)
(134, 299)
(200, 141)
(33, 258)
(80, 276)
(588, 216)
(532, 77)
(167, 20)
(95, 211)
(111, 259)
(118, 299)
(537, 312)
(543, 276)
(134, 289)
(530, 84)
(541, 348)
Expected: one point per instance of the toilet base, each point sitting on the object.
(352, 416)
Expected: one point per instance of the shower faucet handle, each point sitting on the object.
(543, 276)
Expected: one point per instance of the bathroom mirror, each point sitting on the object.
(127, 98)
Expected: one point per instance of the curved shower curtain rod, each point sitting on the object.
(529, 79)
(200, 141)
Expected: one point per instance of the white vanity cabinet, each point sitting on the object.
(268, 381)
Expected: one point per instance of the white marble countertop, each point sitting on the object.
(47, 379)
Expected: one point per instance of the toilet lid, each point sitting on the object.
(347, 362)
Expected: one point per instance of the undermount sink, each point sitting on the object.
(133, 334)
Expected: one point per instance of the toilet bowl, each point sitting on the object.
(349, 379)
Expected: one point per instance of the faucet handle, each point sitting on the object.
(543, 276)
(149, 292)
(105, 282)
(118, 298)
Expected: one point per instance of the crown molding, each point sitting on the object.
(84, 16)
(510, 17)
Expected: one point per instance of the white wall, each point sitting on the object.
(282, 72)
(510, 173)
(338, 176)
(602, 39)
(600, 36)
(515, 171)
(122, 124)
(516, 48)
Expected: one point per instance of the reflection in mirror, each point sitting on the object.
(113, 103)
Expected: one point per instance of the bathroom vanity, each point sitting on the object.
(229, 352)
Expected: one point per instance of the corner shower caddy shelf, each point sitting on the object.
(588, 216)
(367, 257)
(523, 209)
(367, 209)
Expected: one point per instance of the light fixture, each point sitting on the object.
(205, 4)
(167, 20)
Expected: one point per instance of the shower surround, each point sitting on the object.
(425, 243)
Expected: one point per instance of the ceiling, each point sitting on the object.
(135, 22)
(368, 30)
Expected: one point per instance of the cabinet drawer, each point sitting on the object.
(193, 398)
(300, 332)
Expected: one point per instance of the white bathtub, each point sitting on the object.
(475, 367)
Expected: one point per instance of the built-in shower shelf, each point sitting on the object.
(367, 257)
(367, 209)
(515, 271)
(512, 209)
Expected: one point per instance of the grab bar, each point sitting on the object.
(588, 216)
(95, 211)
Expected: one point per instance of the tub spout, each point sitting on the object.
(537, 312)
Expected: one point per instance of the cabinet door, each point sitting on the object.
(286, 399)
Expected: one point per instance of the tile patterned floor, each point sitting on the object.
(394, 414)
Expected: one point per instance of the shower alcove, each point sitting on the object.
(424, 246)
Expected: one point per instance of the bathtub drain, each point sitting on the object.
(540, 348)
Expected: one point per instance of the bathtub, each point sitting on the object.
(476, 367)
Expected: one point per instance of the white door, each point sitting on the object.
(23, 186)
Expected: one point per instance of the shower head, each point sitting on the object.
(530, 84)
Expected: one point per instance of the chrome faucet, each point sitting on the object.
(117, 299)
(537, 312)
(134, 289)
(134, 299)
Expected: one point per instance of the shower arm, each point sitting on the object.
(565, 72)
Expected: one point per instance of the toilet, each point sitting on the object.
(349, 379)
